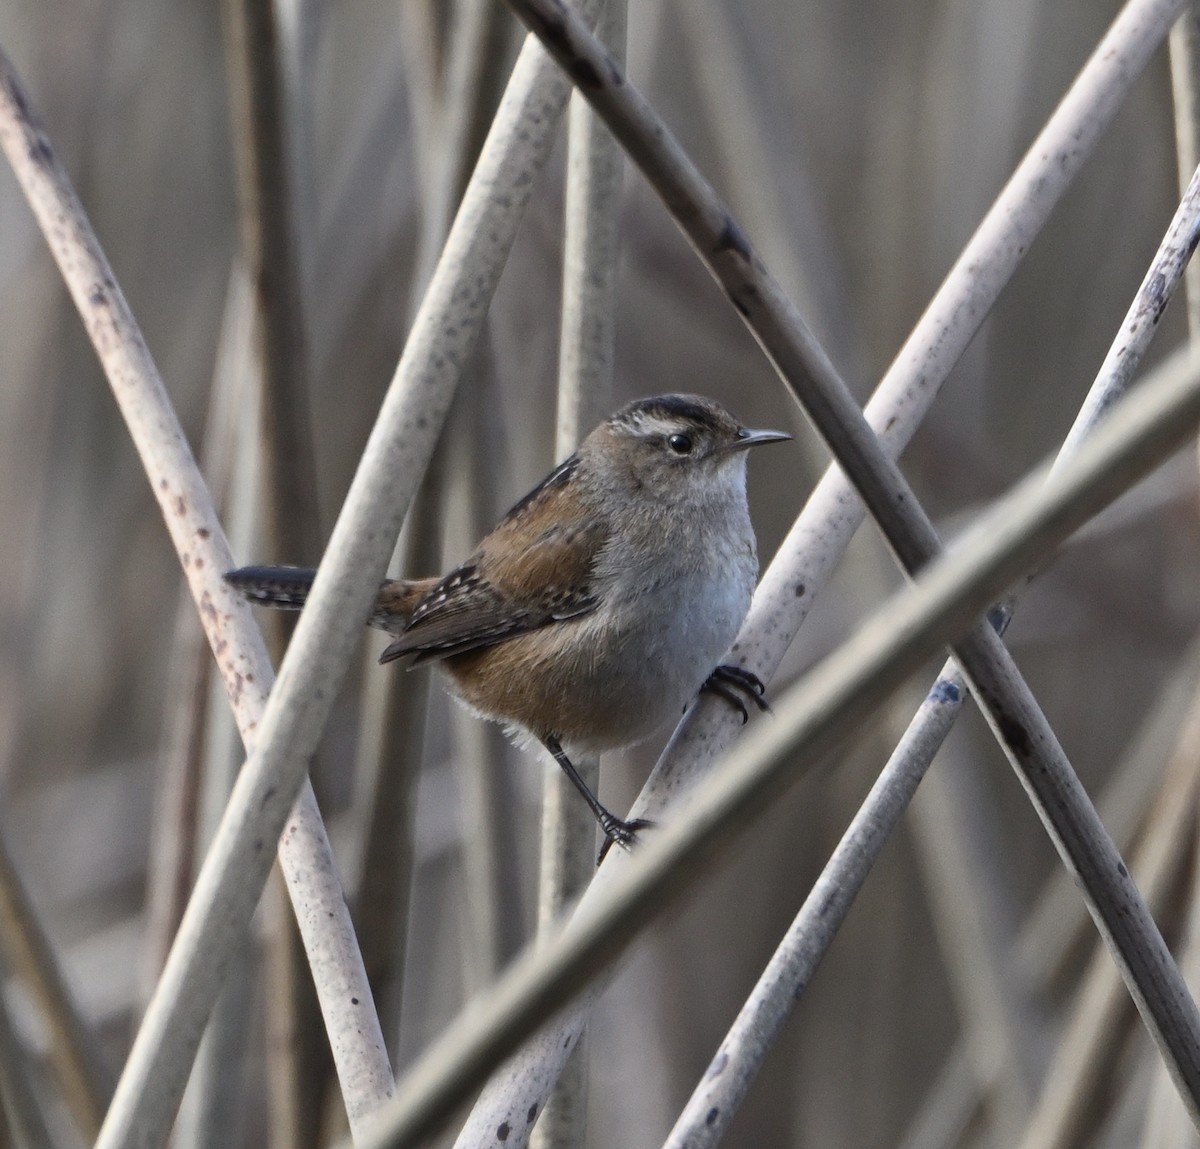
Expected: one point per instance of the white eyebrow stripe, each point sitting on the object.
(645, 424)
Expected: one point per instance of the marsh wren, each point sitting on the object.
(602, 602)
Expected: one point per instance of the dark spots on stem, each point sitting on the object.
(39, 149)
(1013, 731)
(1157, 296)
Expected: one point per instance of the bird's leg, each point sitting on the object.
(615, 829)
(735, 684)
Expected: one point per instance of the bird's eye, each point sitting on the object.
(680, 444)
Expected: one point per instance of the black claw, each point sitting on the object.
(736, 684)
(624, 834)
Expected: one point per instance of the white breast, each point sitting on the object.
(667, 620)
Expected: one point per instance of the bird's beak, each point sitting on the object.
(748, 438)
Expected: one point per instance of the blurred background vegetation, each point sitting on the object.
(860, 143)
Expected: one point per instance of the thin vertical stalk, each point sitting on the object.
(7, 1139)
(173, 855)
(591, 249)
(74, 1057)
(213, 1102)
(387, 768)
(214, 1105)
(214, 1099)
(973, 915)
(421, 41)
(587, 346)
(1166, 1123)
(1087, 1051)
(457, 100)
(487, 801)
(459, 109)
(263, 117)
(22, 1117)
(265, 127)
(1184, 44)
(948, 1107)
(470, 88)
(780, 206)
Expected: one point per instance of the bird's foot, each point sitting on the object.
(735, 684)
(622, 833)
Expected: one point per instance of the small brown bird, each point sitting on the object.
(603, 601)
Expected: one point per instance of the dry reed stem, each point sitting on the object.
(489, 813)
(1184, 45)
(387, 767)
(1089, 1047)
(973, 909)
(777, 202)
(392, 716)
(207, 1112)
(75, 1060)
(22, 1123)
(1057, 924)
(1165, 1124)
(586, 351)
(266, 122)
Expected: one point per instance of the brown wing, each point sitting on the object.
(535, 568)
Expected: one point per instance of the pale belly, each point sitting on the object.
(611, 678)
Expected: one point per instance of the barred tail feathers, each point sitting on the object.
(285, 588)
